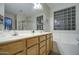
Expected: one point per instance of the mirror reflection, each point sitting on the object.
(24, 16)
(1, 16)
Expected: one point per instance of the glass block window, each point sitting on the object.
(65, 19)
(40, 23)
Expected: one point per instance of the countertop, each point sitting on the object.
(10, 38)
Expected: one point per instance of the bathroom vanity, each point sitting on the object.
(36, 44)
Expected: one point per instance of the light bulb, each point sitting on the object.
(37, 6)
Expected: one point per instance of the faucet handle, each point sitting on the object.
(33, 31)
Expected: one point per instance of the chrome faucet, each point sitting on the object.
(33, 31)
(14, 33)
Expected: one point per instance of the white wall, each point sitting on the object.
(1, 13)
(2, 9)
(65, 36)
(46, 12)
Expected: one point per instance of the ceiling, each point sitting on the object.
(28, 10)
(21, 8)
(59, 5)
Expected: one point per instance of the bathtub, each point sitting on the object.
(68, 48)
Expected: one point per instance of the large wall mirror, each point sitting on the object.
(23, 16)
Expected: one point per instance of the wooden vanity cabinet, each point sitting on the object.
(13, 48)
(38, 45)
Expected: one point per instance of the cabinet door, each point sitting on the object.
(32, 41)
(43, 50)
(42, 38)
(42, 44)
(12, 48)
(32, 50)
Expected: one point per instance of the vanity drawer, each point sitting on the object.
(42, 44)
(32, 41)
(42, 38)
(13, 48)
(42, 50)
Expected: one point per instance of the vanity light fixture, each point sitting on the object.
(37, 6)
